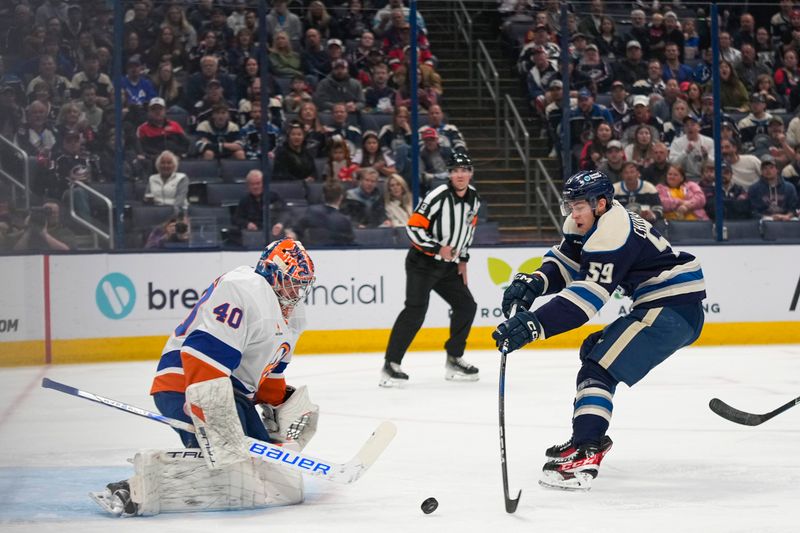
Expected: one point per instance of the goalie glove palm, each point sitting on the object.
(522, 292)
(517, 331)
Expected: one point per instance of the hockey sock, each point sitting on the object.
(593, 404)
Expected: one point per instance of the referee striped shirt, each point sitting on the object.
(445, 219)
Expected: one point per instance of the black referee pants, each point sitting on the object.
(424, 274)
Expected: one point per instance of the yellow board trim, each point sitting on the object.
(368, 340)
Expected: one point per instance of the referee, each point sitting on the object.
(441, 230)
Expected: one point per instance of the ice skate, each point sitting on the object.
(116, 499)
(456, 369)
(574, 472)
(559, 451)
(392, 375)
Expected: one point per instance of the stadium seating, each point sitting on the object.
(235, 171)
(200, 170)
(374, 237)
(224, 193)
(690, 232)
(742, 230)
(781, 231)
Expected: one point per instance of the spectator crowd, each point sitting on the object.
(641, 104)
(337, 120)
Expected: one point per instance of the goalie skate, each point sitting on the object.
(116, 499)
(392, 376)
(574, 472)
(456, 369)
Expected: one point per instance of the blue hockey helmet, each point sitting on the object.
(286, 265)
(589, 185)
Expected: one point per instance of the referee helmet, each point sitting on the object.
(459, 159)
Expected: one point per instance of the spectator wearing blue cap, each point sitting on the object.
(585, 117)
(755, 124)
(771, 197)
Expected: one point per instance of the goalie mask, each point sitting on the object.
(287, 267)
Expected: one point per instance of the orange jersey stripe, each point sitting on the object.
(195, 370)
(271, 391)
(172, 382)
(418, 221)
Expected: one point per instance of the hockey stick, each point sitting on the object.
(344, 473)
(511, 504)
(747, 419)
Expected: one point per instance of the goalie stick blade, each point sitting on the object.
(343, 473)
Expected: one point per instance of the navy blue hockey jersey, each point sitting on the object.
(620, 250)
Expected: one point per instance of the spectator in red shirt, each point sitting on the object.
(160, 133)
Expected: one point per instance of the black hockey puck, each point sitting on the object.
(429, 505)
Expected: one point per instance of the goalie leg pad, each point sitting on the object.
(219, 430)
(297, 418)
(174, 481)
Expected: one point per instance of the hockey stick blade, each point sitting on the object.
(747, 419)
(343, 473)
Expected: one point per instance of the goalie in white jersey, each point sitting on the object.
(227, 356)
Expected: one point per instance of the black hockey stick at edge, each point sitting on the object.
(747, 419)
(511, 504)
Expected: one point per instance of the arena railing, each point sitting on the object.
(25, 184)
(464, 28)
(490, 80)
(547, 195)
(515, 132)
(96, 231)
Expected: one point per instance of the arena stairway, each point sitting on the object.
(502, 186)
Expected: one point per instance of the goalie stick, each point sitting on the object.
(511, 504)
(344, 473)
(747, 419)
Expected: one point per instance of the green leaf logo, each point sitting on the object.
(531, 265)
(500, 272)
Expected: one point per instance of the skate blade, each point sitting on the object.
(582, 482)
(390, 383)
(458, 376)
(105, 501)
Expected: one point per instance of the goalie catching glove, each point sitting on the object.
(517, 331)
(295, 420)
(522, 292)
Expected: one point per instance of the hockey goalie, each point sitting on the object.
(227, 357)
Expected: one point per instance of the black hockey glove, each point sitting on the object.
(522, 292)
(517, 331)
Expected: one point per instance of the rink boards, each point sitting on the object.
(113, 307)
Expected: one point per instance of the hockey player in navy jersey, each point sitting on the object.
(226, 357)
(604, 248)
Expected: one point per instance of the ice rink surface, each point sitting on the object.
(675, 466)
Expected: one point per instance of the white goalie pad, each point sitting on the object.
(174, 481)
(216, 421)
(297, 418)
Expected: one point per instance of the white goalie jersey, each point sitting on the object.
(236, 329)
